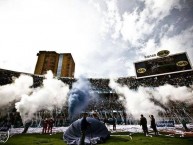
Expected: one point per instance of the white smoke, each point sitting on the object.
(139, 101)
(52, 93)
(135, 102)
(168, 92)
(13, 92)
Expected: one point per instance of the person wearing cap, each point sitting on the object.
(84, 124)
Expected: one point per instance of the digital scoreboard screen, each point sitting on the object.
(162, 65)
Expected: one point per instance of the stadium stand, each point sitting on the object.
(108, 105)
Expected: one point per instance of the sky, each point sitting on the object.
(105, 37)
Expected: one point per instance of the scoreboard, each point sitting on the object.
(162, 65)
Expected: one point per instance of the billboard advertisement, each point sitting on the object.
(165, 124)
(162, 65)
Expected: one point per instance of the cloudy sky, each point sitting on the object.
(105, 37)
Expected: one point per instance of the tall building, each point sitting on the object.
(61, 64)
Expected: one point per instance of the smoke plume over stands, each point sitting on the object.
(52, 93)
(140, 101)
(12, 92)
(136, 102)
(169, 92)
(79, 96)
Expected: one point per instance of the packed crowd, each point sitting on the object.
(102, 85)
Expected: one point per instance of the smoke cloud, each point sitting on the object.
(79, 96)
(140, 101)
(135, 102)
(168, 92)
(52, 93)
(12, 92)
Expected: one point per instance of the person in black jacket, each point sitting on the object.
(143, 123)
(153, 125)
(84, 126)
(184, 124)
(114, 122)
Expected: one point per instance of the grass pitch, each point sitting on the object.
(115, 139)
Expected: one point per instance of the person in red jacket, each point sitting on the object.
(50, 125)
(45, 125)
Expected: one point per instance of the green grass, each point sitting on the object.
(138, 139)
(36, 139)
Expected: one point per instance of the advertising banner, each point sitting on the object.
(165, 124)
